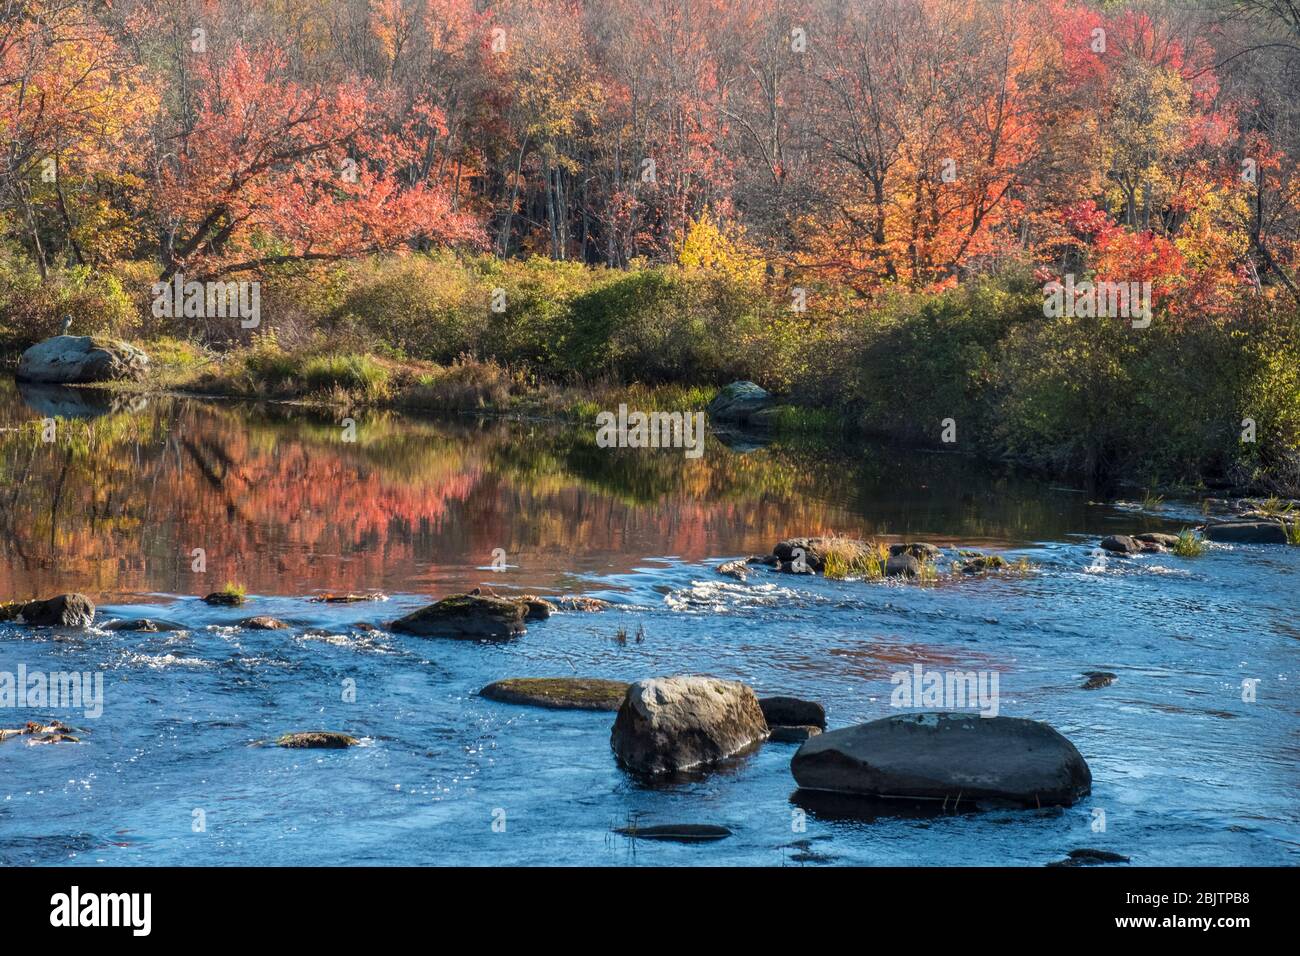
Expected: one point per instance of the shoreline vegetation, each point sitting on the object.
(978, 365)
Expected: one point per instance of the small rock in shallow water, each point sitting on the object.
(579, 602)
(982, 563)
(917, 549)
(466, 616)
(577, 693)
(1098, 679)
(792, 711)
(1120, 544)
(671, 724)
(792, 733)
(535, 608)
(349, 598)
(317, 740)
(902, 566)
(676, 832)
(224, 599)
(948, 757)
(1155, 537)
(735, 569)
(55, 732)
(147, 625)
(1089, 857)
(263, 623)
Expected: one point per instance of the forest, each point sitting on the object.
(857, 205)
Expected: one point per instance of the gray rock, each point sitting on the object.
(64, 610)
(81, 358)
(735, 569)
(792, 733)
(676, 832)
(147, 625)
(1155, 537)
(573, 693)
(466, 616)
(670, 724)
(739, 403)
(902, 566)
(792, 710)
(1120, 544)
(1247, 531)
(946, 756)
(263, 623)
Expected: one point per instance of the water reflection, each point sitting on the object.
(279, 501)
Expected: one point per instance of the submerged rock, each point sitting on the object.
(740, 404)
(465, 616)
(1089, 857)
(349, 598)
(946, 756)
(670, 724)
(735, 569)
(1248, 531)
(262, 623)
(317, 740)
(792, 710)
(676, 832)
(1158, 538)
(576, 693)
(81, 358)
(579, 602)
(1120, 544)
(64, 610)
(148, 625)
(1097, 680)
(55, 732)
(792, 733)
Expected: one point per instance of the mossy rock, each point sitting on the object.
(224, 599)
(465, 616)
(575, 693)
(983, 563)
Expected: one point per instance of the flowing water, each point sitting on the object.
(175, 770)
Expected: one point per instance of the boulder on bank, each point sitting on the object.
(1248, 531)
(739, 404)
(64, 610)
(66, 359)
(792, 711)
(316, 740)
(946, 756)
(571, 693)
(465, 616)
(671, 724)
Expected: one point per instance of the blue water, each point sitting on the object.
(1184, 770)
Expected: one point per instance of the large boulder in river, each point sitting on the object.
(466, 616)
(67, 359)
(564, 693)
(670, 724)
(1120, 544)
(65, 610)
(1248, 531)
(945, 756)
(739, 404)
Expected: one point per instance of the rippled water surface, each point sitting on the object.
(1184, 770)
